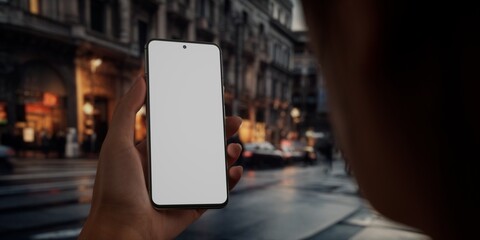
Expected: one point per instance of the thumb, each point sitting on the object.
(122, 127)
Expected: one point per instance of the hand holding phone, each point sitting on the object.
(121, 204)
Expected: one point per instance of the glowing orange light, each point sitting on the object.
(49, 99)
(247, 154)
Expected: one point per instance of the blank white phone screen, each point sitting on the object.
(186, 124)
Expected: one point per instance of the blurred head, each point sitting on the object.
(401, 80)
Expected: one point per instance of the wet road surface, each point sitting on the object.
(50, 199)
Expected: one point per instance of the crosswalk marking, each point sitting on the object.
(43, 217)
(40, 187)
(47, 175)
(60, 234)
(42, 197)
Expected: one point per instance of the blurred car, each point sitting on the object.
(296, 152)
(6, 153)
(262, 155)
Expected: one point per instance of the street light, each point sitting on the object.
(89, 106)
(295, 114)
(95, 63)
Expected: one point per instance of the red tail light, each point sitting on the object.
(247, 154)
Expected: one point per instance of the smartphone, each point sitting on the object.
(185, 125)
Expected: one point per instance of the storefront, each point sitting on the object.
(41, 97)
(96, 94)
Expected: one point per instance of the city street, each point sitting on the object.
(49, 199)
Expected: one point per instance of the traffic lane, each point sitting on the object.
(291, 203)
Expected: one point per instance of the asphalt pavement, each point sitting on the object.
(50, 199)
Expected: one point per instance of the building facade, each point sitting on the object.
(64, 64)
(309, 98)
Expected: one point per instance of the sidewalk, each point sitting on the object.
(365, 223)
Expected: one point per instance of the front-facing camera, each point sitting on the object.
(184, 46)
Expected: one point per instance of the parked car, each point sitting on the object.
(262, 155)
(6, 165)
(299, 153)
(305, 154)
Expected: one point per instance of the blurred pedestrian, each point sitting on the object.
(45, 142)
(6, 138)
(60, 143)
(324, 146)
(17, 143)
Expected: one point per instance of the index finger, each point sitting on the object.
(232, 124)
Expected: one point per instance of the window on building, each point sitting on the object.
(260, 115)
(226, 8)
(311, 101)
(206, 9)
(275, 11)
(274, 88)
(211, 17)
(287, 58)
(116, 19)
(34, 6)
(312, 81)
(245, 17)
(296, 82)
(298, 50)
(261, 84)
(198, 7)
(284, 91)
(54, 10)
(278, 90)
(97, 15)
(81, 11)
(275, 53)
(203, 9)
(296, 99)
(177, 31)
(142, 35)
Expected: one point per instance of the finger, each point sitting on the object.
(234, 173)
(232, 125)
(124, 115)
(233, 152)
